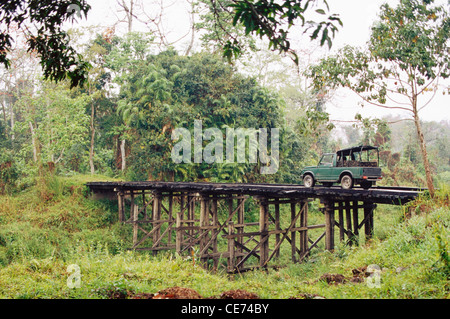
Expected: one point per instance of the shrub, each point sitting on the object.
(8, 173)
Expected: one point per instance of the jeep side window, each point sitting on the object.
(327, 160)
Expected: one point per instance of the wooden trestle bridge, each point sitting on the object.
(219, 224)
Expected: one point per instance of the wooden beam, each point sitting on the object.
(329, 224)
(294, 218)
(204, 225)
(263, 229)
(274, 232)
(368, 217)
(135, 216)
(215, 231)
(240, 229)
(355, 221)
(348, 219)
(313, 244)
(156, 215)
(341, 221)
(231, 248)
(289, 230)
(304, 233)
(277, 227)
(250, 253)
(178, 231)
(225, 223)
(121, 206)
(170, 213)
(144, 205)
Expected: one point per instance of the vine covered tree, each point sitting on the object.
(406, 56)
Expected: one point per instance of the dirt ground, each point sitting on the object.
(187, 293)
(358, 276)
(238, 294)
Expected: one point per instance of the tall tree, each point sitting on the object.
(408, 52)
(98, 80)
(126, 59)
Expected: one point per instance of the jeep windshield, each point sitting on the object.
(326, 160)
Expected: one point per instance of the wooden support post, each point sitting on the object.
(329, 224)
(132, 205)
(304, 233)
(277, 227)
(293, 248)
(135, 218)
(263, 229)
(348, 219)
(170, 197)
(341, 221)
(179, 231)
(144, 205)
(215, 220)
(121, 206)
(240, 229)
(368, 216)
(231, 249)
(355, 221)
(204, 223)
(191, 214)
(156, 218)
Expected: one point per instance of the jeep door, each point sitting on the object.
(325, 168)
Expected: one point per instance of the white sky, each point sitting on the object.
(357, 16)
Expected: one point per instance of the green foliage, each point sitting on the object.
(216, 24)
(172, 91)
(56, 221)
(58, 59)
(272, 20)
(416, 35)
(443, 264)
(9, 173)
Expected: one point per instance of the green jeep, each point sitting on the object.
(346, 167)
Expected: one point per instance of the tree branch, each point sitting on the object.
(381, 105)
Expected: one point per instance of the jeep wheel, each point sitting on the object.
(346, 182)
(308, 181)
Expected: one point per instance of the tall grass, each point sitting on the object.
(41, 236)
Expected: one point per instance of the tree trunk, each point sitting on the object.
(91, 150)
(13, 137)
(4, 110)
(191, 43)
(128, 12)
(122, 153)
(33, 142)
(423, 148)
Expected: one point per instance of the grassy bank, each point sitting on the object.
(53, 225)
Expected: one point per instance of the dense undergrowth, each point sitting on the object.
(54, 224)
